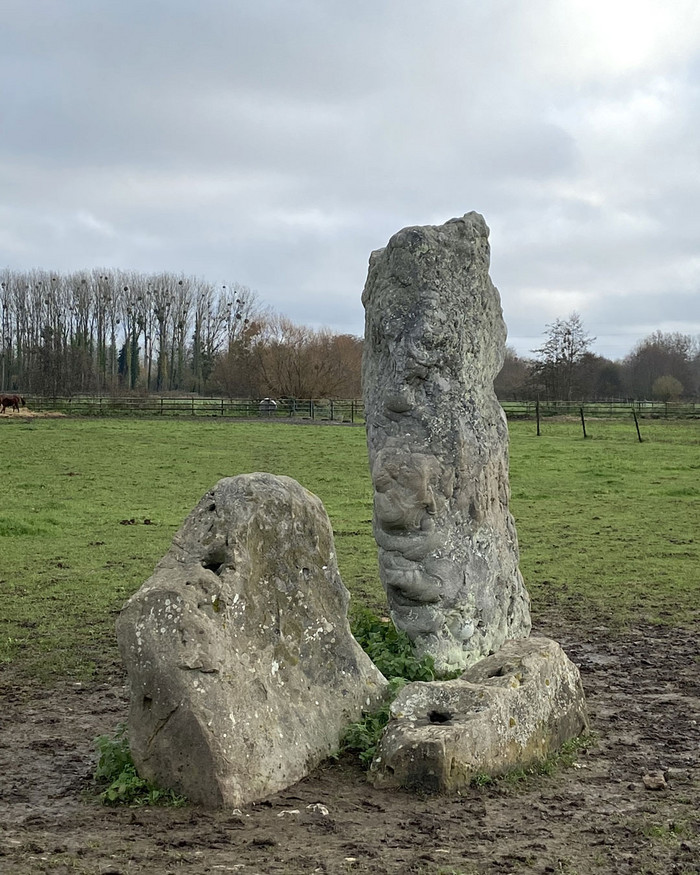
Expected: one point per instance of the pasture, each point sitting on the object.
(606, 525)
(608, 530)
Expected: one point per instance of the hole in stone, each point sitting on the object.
(147, 702)
(216, 567)
(502, 671)
(215, 559)
(439, 716)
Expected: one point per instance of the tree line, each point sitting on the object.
(665, 366)
(110, 331)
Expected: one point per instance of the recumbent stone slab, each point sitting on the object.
(508, 711)
(438, 443)
(242, 667)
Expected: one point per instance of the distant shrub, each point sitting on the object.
(667, 388)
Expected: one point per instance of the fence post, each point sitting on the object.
(537, 415)
(311, 408)
(636, 422)
(583, 423)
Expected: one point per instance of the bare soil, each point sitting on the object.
(599, 816)
(25, 414)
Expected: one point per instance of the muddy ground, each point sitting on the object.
(643, 690)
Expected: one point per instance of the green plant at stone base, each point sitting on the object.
(391, 651)
(116, 768)
(363, 736)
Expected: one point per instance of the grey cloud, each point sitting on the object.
(278, 144)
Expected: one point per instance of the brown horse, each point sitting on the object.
(13, 401)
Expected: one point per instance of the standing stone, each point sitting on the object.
(438, 443)
(242, 667)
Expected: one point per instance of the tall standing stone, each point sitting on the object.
(438, 443)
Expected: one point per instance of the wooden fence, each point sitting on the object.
(333, 411)
(349, 411)
(602, 409)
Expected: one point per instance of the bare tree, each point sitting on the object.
(296, 361)
(6, 332)
(566, 344)
(512, 380)
(182, 318)
(162, 307)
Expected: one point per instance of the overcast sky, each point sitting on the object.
(277, 142)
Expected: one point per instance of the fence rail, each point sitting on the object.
(350, 411)
(322, 410)
(602, 409)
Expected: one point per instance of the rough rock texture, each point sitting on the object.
(438, 443)
(242, 668)
(510, 710)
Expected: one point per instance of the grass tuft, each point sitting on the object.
(564, 758)
(390, 648)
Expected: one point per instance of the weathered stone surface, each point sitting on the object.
(508, 711)
(242, 667)
(438, 443)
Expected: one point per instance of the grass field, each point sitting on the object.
(607, 526)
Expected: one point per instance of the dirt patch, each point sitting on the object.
(25, 415)
(643, 693)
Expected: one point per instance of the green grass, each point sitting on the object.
(607, 526)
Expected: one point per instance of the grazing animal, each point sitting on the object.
(13, 401)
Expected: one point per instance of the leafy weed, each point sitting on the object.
(116, 769)
(391, 651)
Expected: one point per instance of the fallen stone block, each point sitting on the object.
(509, 711)
(242, 668)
